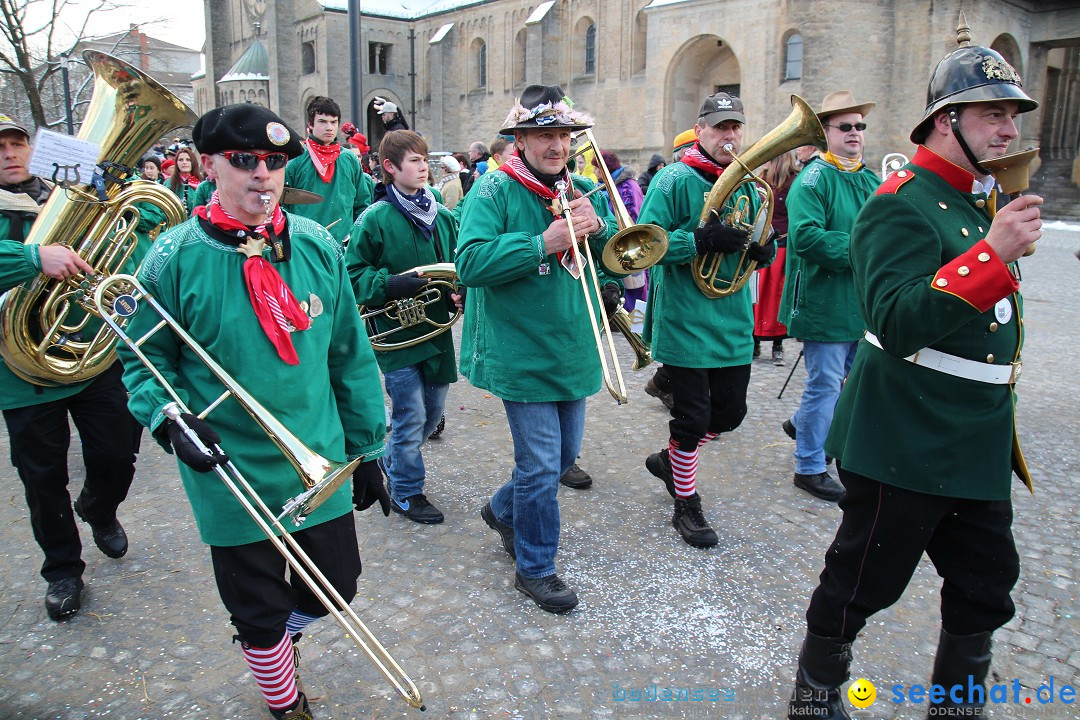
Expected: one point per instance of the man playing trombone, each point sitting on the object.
(706, 344)
(527, 335)
(267, 295)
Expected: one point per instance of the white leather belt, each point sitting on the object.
(960, 367)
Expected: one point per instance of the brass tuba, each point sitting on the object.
(43, 322)
(412, 312)
(801, 127)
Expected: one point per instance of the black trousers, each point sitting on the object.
(706, 400)
(40, 436)
(252, 584)
(882, 536)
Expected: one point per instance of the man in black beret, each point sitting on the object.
(266, 293)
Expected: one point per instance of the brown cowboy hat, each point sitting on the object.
(842, 101)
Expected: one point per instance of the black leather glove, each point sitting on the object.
(186, 450)
(367, 487)
(761, 254)
(715, 236)
(612, 297)
(405, 285)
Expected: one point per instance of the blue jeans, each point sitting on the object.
(416, 407)
(827, 364)
(547, 438)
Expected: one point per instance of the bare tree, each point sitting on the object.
(31, 49)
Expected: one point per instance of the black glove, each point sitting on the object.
(761, 254)
(459, 290)
(612, 297)
(188, 452)
(715, 236)
(405, 285)
(367, 487)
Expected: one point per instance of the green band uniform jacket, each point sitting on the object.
(819, 294)
(383, 242)
(683, 327)
(924, 277)
(332, 401)
(525, 334)
(344, 197)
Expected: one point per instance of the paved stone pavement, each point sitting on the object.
(153, 641)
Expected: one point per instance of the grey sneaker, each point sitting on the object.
(549, 593)
(506, 532)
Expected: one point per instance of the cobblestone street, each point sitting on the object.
(153, 640)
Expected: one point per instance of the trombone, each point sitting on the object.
(116, 299)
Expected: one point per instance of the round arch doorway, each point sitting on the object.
(704, 65)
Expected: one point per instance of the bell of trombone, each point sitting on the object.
(635, 247)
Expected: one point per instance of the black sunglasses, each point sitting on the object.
(846, 127)
(250, 160)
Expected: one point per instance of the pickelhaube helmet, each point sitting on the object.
(970, 74)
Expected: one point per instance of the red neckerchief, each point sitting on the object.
(190, 180)
(323, 157)
(275, 307)
(695, 157)
(515, 168)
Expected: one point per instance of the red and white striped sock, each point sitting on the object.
(273, 671)
(709, 437)
(683, 468)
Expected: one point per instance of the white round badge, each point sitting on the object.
(1003, 311)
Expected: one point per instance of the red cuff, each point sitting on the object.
(978, 277)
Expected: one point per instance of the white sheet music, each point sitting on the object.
(54, 151)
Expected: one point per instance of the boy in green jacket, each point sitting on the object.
(404, 229)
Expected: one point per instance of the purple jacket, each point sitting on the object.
(629, 191)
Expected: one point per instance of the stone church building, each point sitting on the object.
(641, 67)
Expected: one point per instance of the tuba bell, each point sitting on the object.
(47, 335)
(412, 312)
(801, 127)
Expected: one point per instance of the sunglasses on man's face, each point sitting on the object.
(846, 127)
(250, 160)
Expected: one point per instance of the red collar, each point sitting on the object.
(960, 179)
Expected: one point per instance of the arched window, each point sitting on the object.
(590, 50)
(520, 43)
(638, 44)
(480, 57)
(307, 58)
(243, 96)
(793, 49)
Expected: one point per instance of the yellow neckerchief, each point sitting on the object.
(842, 163)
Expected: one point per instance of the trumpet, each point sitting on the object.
(116, 299)
(412, 312)
(586, 265)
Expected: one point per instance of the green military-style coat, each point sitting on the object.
(383, 242)
(344, 197)
(685, 328)
(202, 194)
(818, 302)
(332, 401)
(525, 334)
(924, 277)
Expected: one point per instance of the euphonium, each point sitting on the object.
(801, 127)
(412, 312)
(42, 321)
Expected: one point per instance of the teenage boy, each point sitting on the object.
(403, 229)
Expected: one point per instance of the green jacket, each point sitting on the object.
(685, 328)
(383, 243)
(19, 265)
(526, 334)
(332, 401)
(925, 278)
(344, 197)
(202, 194)
(819, 294)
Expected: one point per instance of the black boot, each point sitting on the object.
(960, 657)
(691, 523)
(823, 668)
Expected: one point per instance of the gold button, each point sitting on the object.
(990, 358)
(993, 327)
(984, 257)
(980, 203)
(962, 271)
(941, 282)
(901, 173)
(964, 232)
(943, 206)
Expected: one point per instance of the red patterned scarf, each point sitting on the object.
(515, 168)
(323, 157)
(695, 157)
(275, 306)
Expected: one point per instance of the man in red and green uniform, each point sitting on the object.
(325, 170)
(924, 434)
